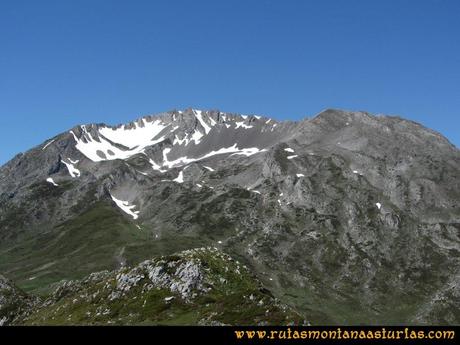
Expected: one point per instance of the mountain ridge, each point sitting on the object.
(305, 119)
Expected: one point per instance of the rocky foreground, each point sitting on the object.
(195, 287)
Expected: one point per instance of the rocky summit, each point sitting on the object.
(342, 218)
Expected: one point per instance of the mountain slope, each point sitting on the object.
(349, 217)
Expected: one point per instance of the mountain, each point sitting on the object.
(346, 217)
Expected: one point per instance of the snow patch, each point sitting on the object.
(199, 116)
(165, 153)
(291, 157)
(132, 141)
(196, 137)
(179, 141)
(50, 180)
(134, 137)
(209, 168)
(243, 125)
(48, 144)
(234, 150)
(155, 166)
(379, 205)
(247, 152)
(126, 207)
(300, 175)
(179, 178)
(74, 172)
(289, 149)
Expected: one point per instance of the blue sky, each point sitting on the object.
(64, 63)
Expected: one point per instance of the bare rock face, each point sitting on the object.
(349, 217)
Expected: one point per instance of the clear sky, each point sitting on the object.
(64, 63)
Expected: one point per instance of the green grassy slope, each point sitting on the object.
(88, 243)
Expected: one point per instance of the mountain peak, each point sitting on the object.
(180, 128)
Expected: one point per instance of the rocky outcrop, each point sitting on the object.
(14, 303)
(200, 286)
